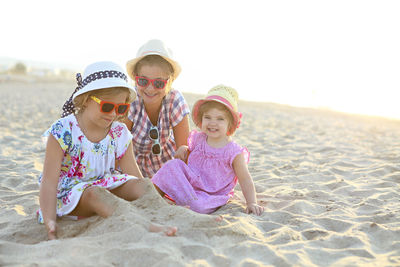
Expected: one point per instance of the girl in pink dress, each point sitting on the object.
(215, 163)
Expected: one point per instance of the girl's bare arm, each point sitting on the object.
(48, 187)
(128, 163)
(181, 132)
(246, 184)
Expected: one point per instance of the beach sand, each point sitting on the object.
(329, 183)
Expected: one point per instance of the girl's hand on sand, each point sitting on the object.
(181, 153)
(254, 208)
(51, 227)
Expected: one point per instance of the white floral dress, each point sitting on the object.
(85, 163)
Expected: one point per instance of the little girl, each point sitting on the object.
(215, 163)
(85, 145)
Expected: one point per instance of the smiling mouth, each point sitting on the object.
(149, 95)
(212, 130)
(108, 119)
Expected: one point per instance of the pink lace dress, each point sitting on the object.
(207, 181)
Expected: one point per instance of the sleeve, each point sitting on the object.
(62, 132)
(133, 110)
(237, 149)
(122, 137)
(179, 108)
(192, 139)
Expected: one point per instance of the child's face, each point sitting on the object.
(215, 123)
(102, 119)
(150, 94)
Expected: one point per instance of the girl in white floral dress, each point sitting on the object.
(85, 145)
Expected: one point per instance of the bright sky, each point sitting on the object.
(342, 54)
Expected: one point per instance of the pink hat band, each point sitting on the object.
(221, 99)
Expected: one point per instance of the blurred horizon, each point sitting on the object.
(57, 72)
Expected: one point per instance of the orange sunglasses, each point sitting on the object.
(107, 106)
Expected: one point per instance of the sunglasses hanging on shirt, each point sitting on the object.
(155, 136)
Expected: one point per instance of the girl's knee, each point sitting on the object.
(131, 190)
(139, 187)
(91, 193)
(93, 201)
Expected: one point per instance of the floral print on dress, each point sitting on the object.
(86, 163)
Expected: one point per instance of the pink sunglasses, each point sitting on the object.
(157, 83)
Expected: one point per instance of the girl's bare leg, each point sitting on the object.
(131, 190)
(91, 203)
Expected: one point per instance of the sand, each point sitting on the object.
(329, 183)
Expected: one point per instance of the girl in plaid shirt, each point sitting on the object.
(158, 118)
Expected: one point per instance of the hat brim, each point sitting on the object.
(130, 65)
(197, 120)
(100, 84)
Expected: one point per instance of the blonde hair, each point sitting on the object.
(80, 100)
(156, 60)
(213, 104)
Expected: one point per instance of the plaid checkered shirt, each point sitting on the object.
(173, 109)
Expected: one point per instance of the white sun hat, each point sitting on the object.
(153, 47)
(101, 75)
